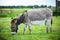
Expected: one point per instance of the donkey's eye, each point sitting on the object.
(13, 27)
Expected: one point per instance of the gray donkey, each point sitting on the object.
(33, 16)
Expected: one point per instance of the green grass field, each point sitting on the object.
(11, 12)
(38, 32)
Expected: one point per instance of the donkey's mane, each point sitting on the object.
(20, 19)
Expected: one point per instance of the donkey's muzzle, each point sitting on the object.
(13, 33)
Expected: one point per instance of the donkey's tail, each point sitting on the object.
(51, 21)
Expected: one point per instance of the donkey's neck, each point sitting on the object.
(18, 22)
(20, 19)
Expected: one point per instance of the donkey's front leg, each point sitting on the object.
(30, 29)
(24, 28)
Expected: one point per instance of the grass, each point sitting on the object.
(38, 32)
(8, 12)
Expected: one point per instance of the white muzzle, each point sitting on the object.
(13, 32)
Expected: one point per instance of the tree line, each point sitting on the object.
(35, 6)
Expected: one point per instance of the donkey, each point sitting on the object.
(30, 16)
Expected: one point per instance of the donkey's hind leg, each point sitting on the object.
(51, 25)
(46, 23)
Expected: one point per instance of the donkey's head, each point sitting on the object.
(15, 22)
(14, 26)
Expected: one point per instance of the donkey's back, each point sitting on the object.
(38, 14)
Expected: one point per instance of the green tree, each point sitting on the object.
(36, 6)
(49, 6)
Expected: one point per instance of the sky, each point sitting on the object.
(27, 2)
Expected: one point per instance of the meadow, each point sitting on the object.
(38, 32)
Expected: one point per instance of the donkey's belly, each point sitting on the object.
(42, 22)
